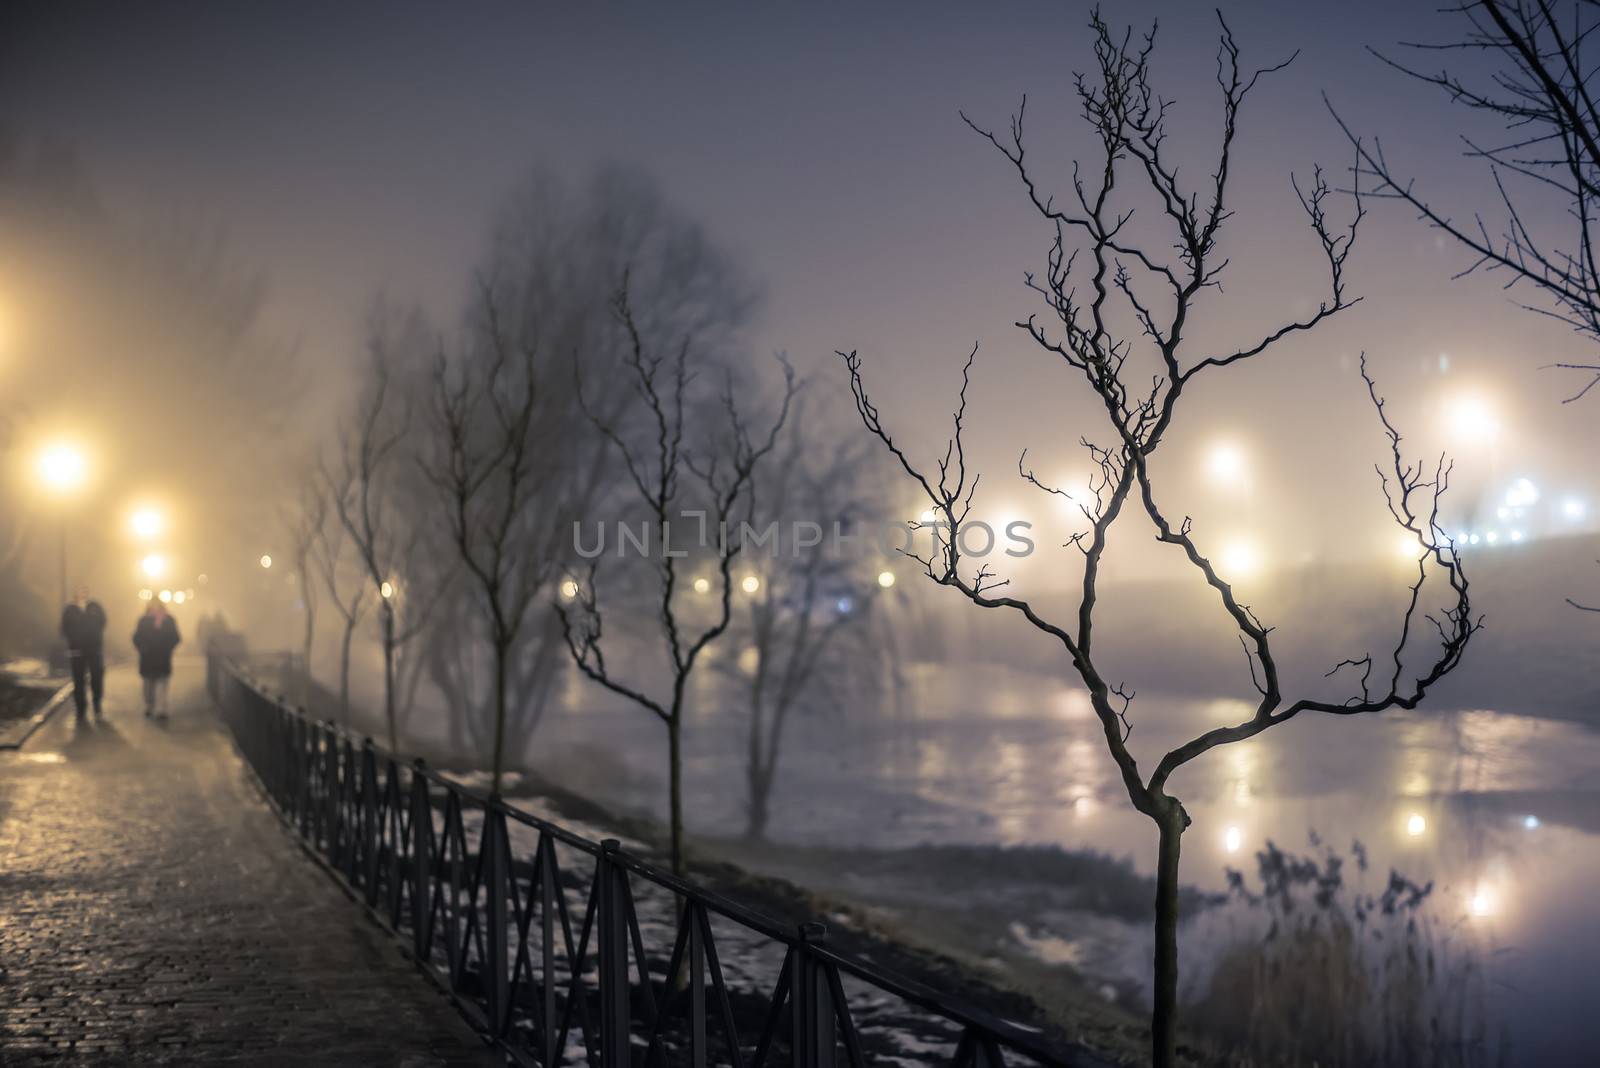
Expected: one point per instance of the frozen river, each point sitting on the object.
(1502, 811)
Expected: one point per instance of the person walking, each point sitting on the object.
(83, 625)
(156, 637)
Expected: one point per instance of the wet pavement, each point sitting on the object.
(154, 911)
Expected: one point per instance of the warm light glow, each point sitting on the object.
(927, 515)
(266, 561)
(1482, 902)
(1408, 546)
(886, 579)
(146, 523)
(63, 468)
(569, 590)
(1226, 465)
(1473, 420)
(1416, 824)
(750, 584)
(749, 659)
(178, 597)
(1572, 508)
(154, 565)
(1232, 839)
(146, 594)
(386, 590)
(702, 585)
(1240, 558)
(166, 596)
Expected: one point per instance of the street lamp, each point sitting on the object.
(63, 469)
(146, 523)
(154, 565)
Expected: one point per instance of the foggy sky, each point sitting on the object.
(353, 148)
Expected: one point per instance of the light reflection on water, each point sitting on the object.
(1502, 811)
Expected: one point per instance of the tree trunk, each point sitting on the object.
(675, 759)
(756, 781)
(308, 641)
(500, 652)
(1164, 1011)
(388, 675)
(344, 675)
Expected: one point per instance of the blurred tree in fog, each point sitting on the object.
(145, 343)
(541, 309)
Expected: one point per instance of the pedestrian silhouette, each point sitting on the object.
(156, 637)
(83, 625)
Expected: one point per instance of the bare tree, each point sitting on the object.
(657, 471)
(348, 592)
(1541, 93)
(807, 602)
(303, 523)
(1159, 292)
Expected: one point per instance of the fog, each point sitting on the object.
(359, 308)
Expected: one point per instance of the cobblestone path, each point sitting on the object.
(154, 911)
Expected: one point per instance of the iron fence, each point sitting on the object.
(539, 934)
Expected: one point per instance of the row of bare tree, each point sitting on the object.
(595, 380)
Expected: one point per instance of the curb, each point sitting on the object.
(39, 718)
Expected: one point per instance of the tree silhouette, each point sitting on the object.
(1159, 292)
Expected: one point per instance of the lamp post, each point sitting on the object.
(63, 469)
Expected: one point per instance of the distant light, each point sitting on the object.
(845, 605)
(750, 584)
(146, 594)
(1408, 546)
(1502, 513)
(178, 597)
(927, 515)
(1416, 825)
(386, 591)
(190, 595)
(1572, 508)
(569, 589)
(1463, 538)
(749, 659)
(1240, 558)
(266, 561)
(1232, 839)
(63, 468)
(1531, 822)
(1492, 537)
(1522, 493)
(154, 565)
(886, 579)
(1472, 419)
(1226, 464)
(1516, 535)
(1473, 540)
(146, 523)
(204, 579)
(1482, 903)
(702, 585)
(165, 596)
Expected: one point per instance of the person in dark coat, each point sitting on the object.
(83, 625)
(156, 637)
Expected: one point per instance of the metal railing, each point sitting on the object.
(538, 933)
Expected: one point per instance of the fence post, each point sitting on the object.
(812, 1037)
(421, 864)
(496, 871)
(369, 822)
(615, 1004)
(547, 945)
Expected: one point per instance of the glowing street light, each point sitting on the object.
(1241, 557)
(154, 565)
(1572, 508)
(165, 596)
(146, 523)
(569, 590)
(266, 561)
(1226, 465)
(751, 584)
(1482, 903)
(886, 579)
(178, 597)
(1416, 825)
(1232, 839)
(1473, 420)
(702, 586)
(63, 468)
(386, 591)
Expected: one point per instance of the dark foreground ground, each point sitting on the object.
(153, 911)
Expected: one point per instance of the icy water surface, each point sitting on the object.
(1502, 811)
